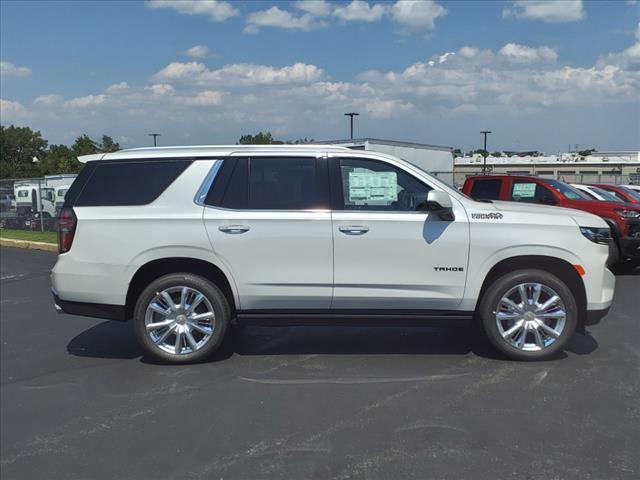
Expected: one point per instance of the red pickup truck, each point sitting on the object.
(623, 218)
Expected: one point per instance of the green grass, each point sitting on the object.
(48, 237)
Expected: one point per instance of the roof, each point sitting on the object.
(381, 141)
(205, 150)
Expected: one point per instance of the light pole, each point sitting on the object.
(484, 164)
(154, 135)
(351, 115)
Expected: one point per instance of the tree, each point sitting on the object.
(586, 153)
(259, 139)
(480, 151)
(108, 145)
(496, 154)
(18, 146)
(62, 159)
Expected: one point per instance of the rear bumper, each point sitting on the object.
(96, 310)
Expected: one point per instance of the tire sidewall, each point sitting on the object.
(497, 290)
(213, 294)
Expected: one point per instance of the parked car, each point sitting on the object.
(596, 193)
(623, 219)
(635, 188)
(187, 241)
(621, 192)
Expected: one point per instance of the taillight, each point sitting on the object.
(66, 229)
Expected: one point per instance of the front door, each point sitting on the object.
(388, 252)
(272, 229)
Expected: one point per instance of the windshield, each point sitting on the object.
(635, 194)
(567, 190)
(606, 196)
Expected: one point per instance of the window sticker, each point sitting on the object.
(368, 186)
(524, 190)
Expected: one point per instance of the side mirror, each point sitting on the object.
(440, 203)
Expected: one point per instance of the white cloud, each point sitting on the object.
(161, 89)
(217, 11)
(277, 18)
(117, 88)
(12, 111)
(240, 74)
(198, 51)
(206, 98)
(377, 108)
(360, 11)
(48, 100)
(555, 11)
(86, 101)
(417, 14)
(8, 69)
(523, 54)
(181, 70)
(320, 8)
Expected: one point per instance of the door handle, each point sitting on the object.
(234, 228)
(354, 230)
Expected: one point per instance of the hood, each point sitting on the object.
(583, 219)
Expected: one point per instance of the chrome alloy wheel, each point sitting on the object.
(530, 316)
(179, 320)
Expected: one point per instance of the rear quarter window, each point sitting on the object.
(486, 189)
(124, 183)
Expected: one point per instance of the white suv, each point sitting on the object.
(188, 240)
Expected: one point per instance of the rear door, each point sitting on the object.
(389, 253)
(268, 220)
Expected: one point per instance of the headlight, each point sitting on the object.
(628, 214)
(597, 235)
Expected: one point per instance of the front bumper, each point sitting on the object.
(630, 247)
(96, 310)
(594, 316)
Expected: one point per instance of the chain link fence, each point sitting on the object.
(33, 203)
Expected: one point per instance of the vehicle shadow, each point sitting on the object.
(116, 340)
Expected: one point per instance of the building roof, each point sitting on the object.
(381, 141)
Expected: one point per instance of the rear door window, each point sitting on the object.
(488, 189)
(530, 192)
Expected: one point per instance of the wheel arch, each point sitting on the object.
(556, 266)
(164, 266)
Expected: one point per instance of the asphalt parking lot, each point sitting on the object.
(80, 402)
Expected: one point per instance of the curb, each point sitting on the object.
(9, 242)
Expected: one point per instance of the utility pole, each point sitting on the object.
(351, 115)
(484, 165)
(154, 135)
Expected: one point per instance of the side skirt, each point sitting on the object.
(354, 318)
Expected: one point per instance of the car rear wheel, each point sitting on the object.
(181, 318)
(528, 314)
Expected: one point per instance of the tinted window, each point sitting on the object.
(127, 183)
(236, 193)
(532, 192)
(567, 190)
(486, 189)
(374, 185)
(284, 184)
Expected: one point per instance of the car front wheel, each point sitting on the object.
(528, 314)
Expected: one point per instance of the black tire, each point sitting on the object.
(501, 286)
(614, 254)
(211, 292)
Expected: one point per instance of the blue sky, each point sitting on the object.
(539, 74)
